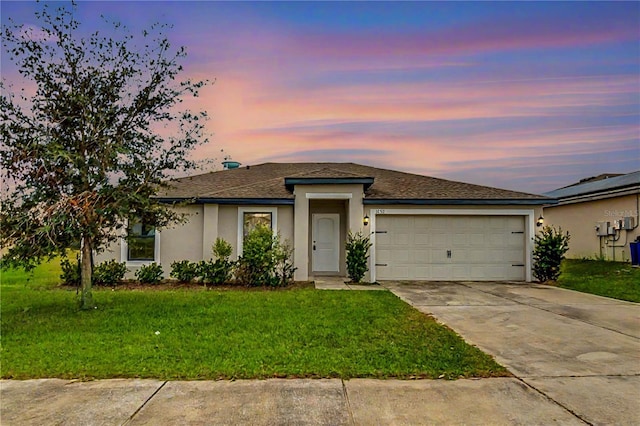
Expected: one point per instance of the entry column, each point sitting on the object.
(301, 236)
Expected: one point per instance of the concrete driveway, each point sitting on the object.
(581, 351)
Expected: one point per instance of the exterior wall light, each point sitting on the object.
(540, 221)
(365, 220)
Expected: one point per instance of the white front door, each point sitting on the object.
(326, 242)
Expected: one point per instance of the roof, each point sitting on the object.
(598, 186)
(266, 182)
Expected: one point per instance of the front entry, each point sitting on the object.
(325, 242)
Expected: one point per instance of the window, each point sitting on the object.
(251, 220)
(141, 244)
(250, 217)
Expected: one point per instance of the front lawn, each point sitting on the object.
(611, 279)
(212, 334)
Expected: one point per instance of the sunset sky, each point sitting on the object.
(524, 96)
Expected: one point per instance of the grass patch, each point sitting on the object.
(214, 334)
(610, 279)
(44, 276)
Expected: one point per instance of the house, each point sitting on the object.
(421, 228)
(600, 213)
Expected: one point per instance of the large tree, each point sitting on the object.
(91, 132)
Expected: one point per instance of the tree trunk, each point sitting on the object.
(86, 297)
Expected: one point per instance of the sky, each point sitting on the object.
(516, 95)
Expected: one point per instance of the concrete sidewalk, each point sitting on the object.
(579, 350)
(496, 401)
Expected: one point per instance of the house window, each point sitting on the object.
(141, 242)
(251, 220)
(250, 217)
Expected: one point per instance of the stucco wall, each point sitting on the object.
(182, 241)
(580, 220)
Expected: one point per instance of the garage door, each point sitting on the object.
(428, 247)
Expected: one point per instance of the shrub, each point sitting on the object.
(149, 274)
(184, 271)
(265, 261)
(221, 249)
(357, 247)
(283, 254)
(109, 273)
(550, 245)
(220, 270)
(70, 271)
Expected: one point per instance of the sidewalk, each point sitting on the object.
(496, 401)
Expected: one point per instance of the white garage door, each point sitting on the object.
(429, 247)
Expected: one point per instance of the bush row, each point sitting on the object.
(266, 261)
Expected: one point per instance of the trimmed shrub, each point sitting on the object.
(221, 249)
(70, 271)
(109, 273)
(265, 261)
(149, 274)
(220, 270)
(184, 271)
(550, 246)
(357, 247)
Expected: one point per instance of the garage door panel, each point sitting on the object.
(399, 256)
(421, 238)
(482, 247)
(513, 256)
(402, 272)
(383, 256)
(422, 256)
(401, 239)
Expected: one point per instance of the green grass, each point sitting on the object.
(200, 334)
(44, 276)
(611, 279)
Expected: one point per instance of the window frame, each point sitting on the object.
(124, 250)
(243, 210)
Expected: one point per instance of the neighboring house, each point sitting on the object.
(422, 228)
(600, 213)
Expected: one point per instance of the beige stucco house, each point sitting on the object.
(422, 228)
(601, 215)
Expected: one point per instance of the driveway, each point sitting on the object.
(579, 350)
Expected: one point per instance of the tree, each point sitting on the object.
(101, 133)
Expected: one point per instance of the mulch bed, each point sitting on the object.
(132, 285)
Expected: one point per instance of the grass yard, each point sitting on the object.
(611, 279)
(200, 334)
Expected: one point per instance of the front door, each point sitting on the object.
(326, 242)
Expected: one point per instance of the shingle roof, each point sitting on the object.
(598, 186)
(267, 181)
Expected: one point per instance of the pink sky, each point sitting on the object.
(516, 95)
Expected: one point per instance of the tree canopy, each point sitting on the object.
(94, 130)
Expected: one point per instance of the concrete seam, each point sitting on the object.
(346, 397)
(554, 401)
(550, 311)
(144, 403)
(570, 376)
